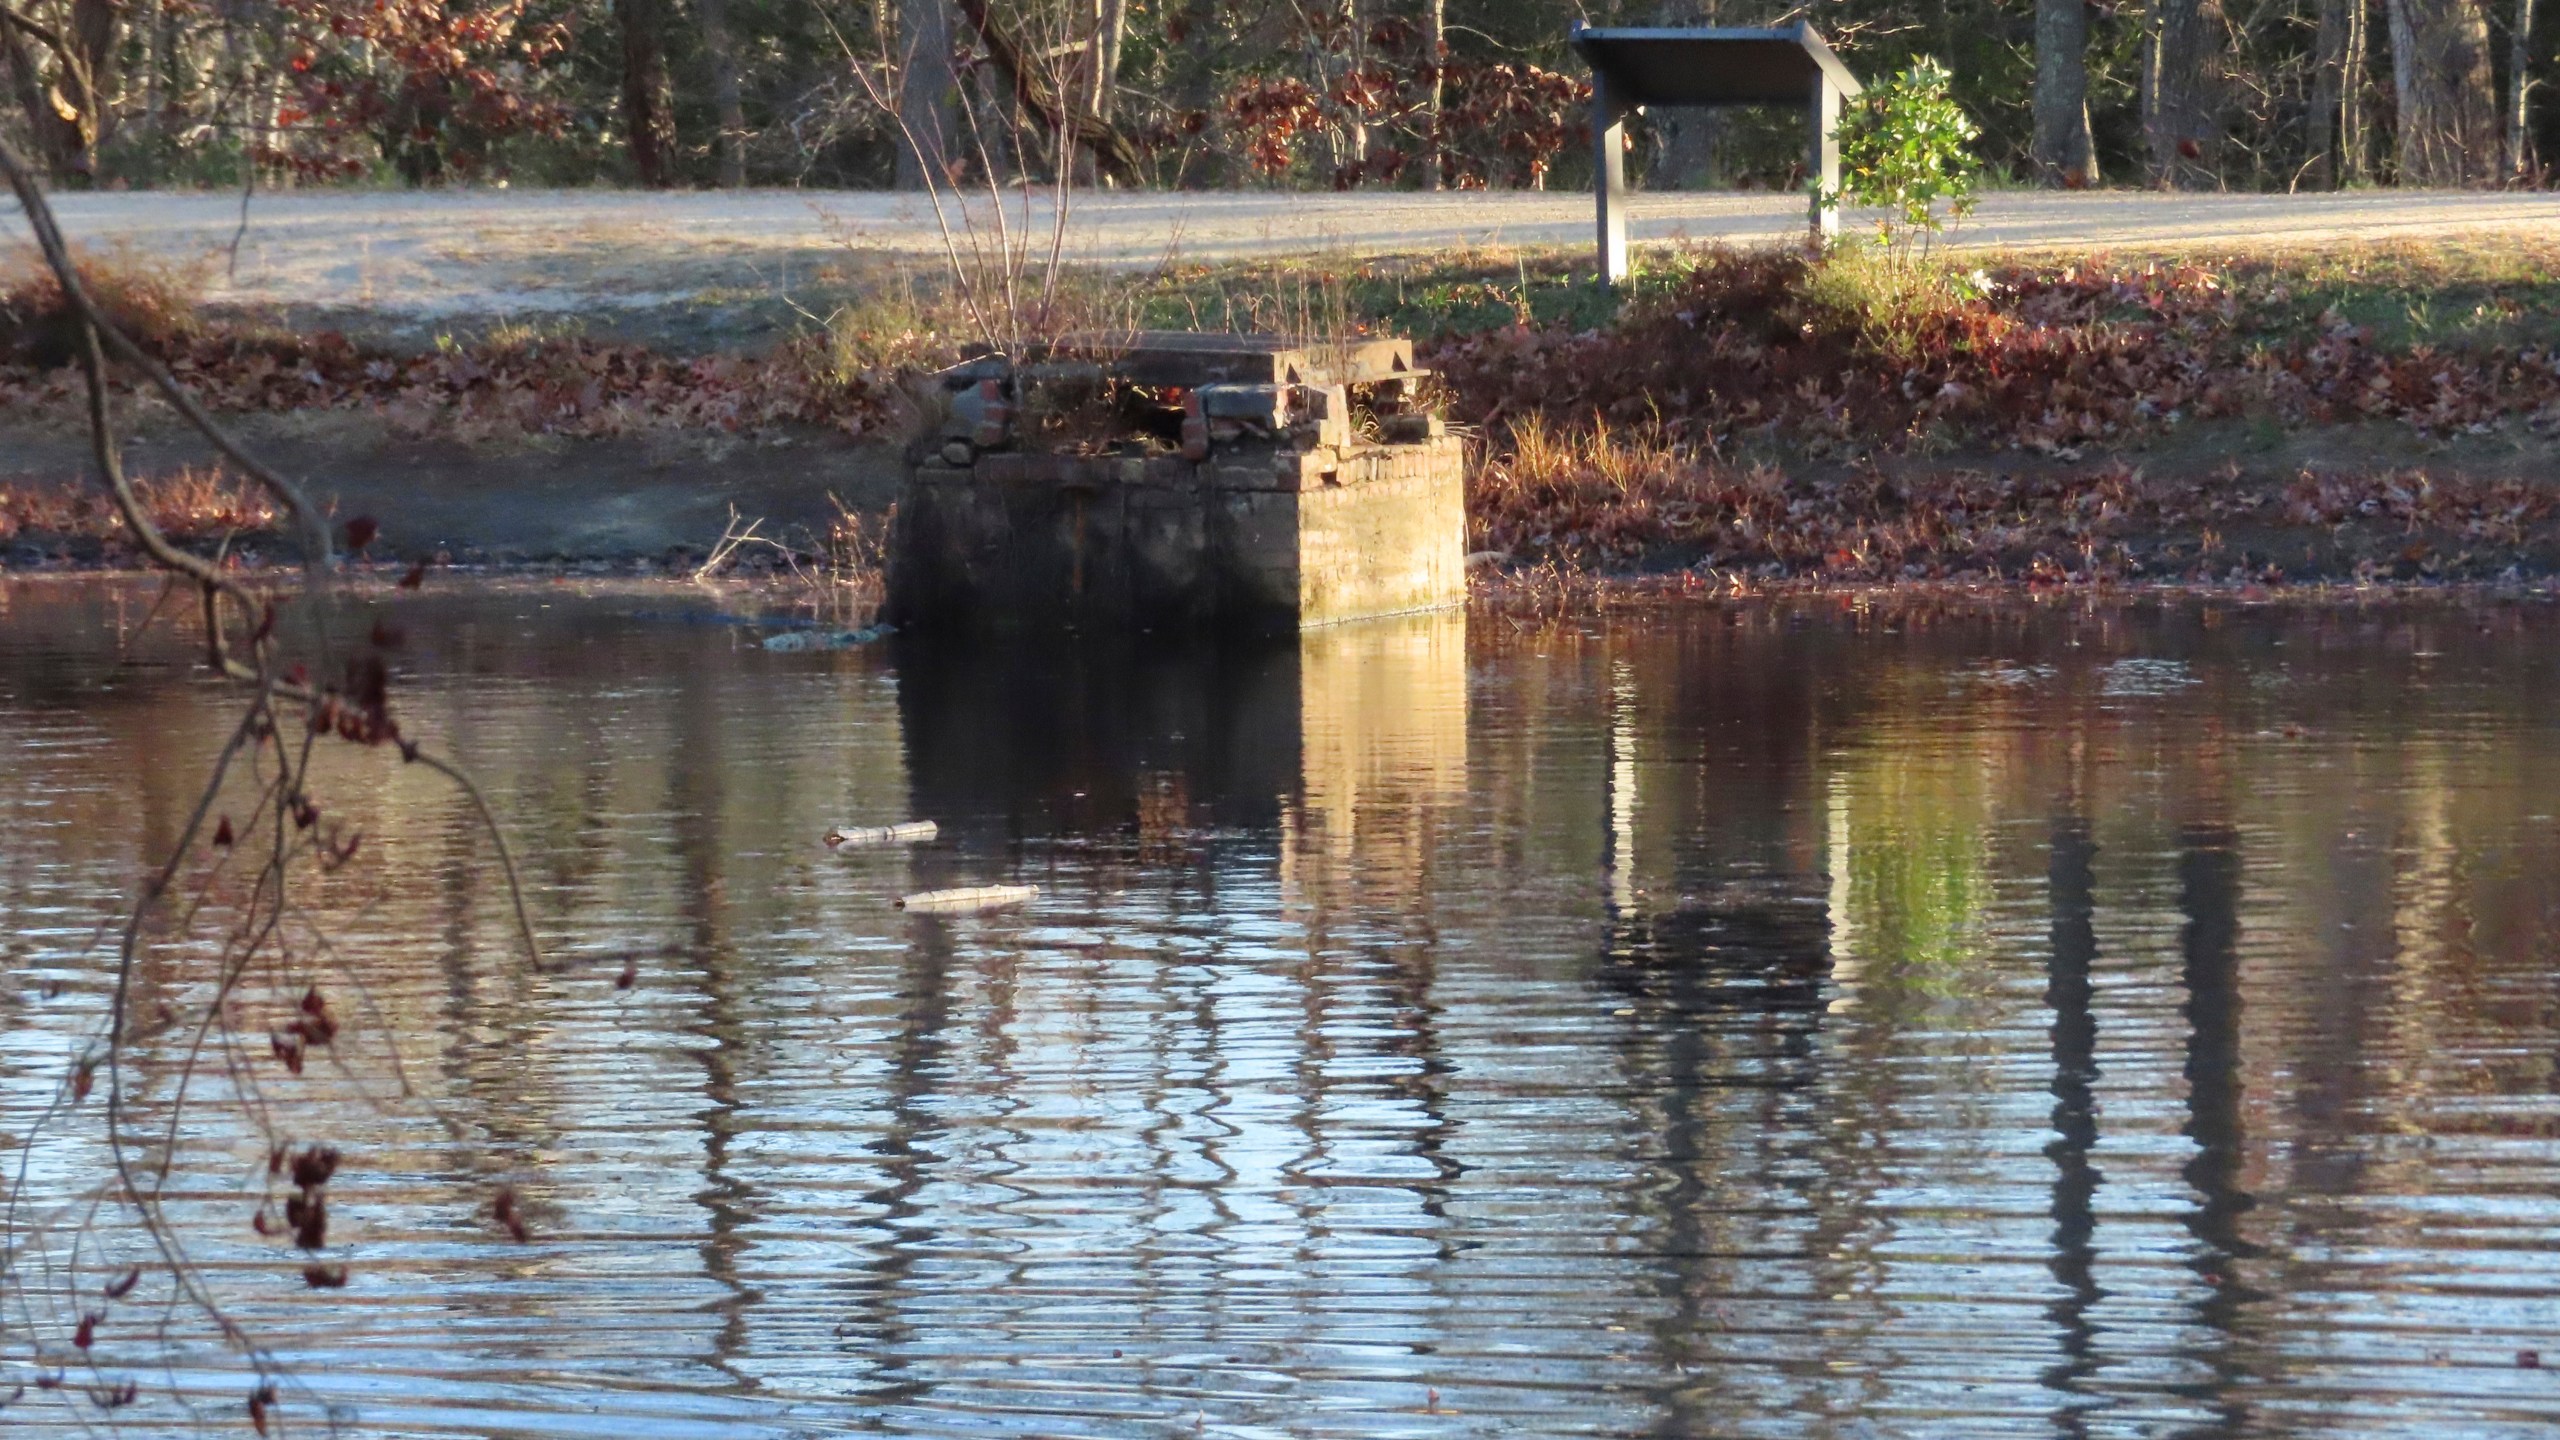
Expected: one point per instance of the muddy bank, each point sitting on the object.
(2370, 415)
(2211, 502)
(2218, 503)
(2222, 502)
(662, 497)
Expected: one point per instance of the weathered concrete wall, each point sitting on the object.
(1257, 536)
(1390, 538)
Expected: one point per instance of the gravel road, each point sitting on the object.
(482, 252)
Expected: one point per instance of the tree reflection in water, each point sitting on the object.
(1776, 1019)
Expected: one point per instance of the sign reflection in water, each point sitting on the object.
(2051, 1020)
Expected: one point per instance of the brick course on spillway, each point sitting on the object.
(1276, 513)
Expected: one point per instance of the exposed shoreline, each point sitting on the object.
(765, 596)
(662, 497)
(1736, 427)
(2302, 511)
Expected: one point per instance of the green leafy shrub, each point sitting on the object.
(1904, 153)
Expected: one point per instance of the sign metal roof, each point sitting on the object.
(1712, 66)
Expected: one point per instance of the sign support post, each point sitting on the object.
(1609, 179)
(1822, 160)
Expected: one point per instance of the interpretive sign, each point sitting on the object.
(1633, 70)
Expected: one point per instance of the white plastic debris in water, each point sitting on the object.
(974, 897)
(855, 837)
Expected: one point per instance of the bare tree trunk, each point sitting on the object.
(926, 88)
(1079, 87)
(154, 63)
(2355, 94)
(2404, 46)
(1691, 156)
(2065, 153)
(2448, 121)
(1046, 92)
(1114, 29)
(69, 116)
(267, 102)
(723, 55)
(2181, 93)
(1435, 53)
(1197, 22)
(1356, 117)
(26, 86)
(2521, 163)
(648, 117)
(1101, 76)
(995, 120)
(2336, 122)
(2320, 124)
(97, 32)
(174, 74)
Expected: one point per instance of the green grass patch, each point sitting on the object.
(2504, 292)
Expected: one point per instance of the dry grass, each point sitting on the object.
(855, 559)
(1594, 491)
(1570, 506)
(839, 577)
(193, 507)
(1894, 304)
(151, 298)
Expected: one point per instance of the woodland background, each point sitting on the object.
(2200, 94)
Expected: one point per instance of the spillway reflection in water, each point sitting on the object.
(1793, 1020)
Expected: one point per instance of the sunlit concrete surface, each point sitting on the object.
(483, 251)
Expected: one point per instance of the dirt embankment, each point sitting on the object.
(1766, 417)
(657, 501)
(504, 447)
(1749, 417)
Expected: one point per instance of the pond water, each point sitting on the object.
(1834, 1018)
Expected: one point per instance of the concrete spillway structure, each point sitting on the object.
(1182, 481)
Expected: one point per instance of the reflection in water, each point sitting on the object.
(1383, 726)
(1787, 1020)
(2209, 899)
(696, 806)
(2073, 888)
(1016, 740)
(877, 1330)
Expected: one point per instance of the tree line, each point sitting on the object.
(2186, 94)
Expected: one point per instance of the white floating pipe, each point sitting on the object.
(855, 837)
(973, 897)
